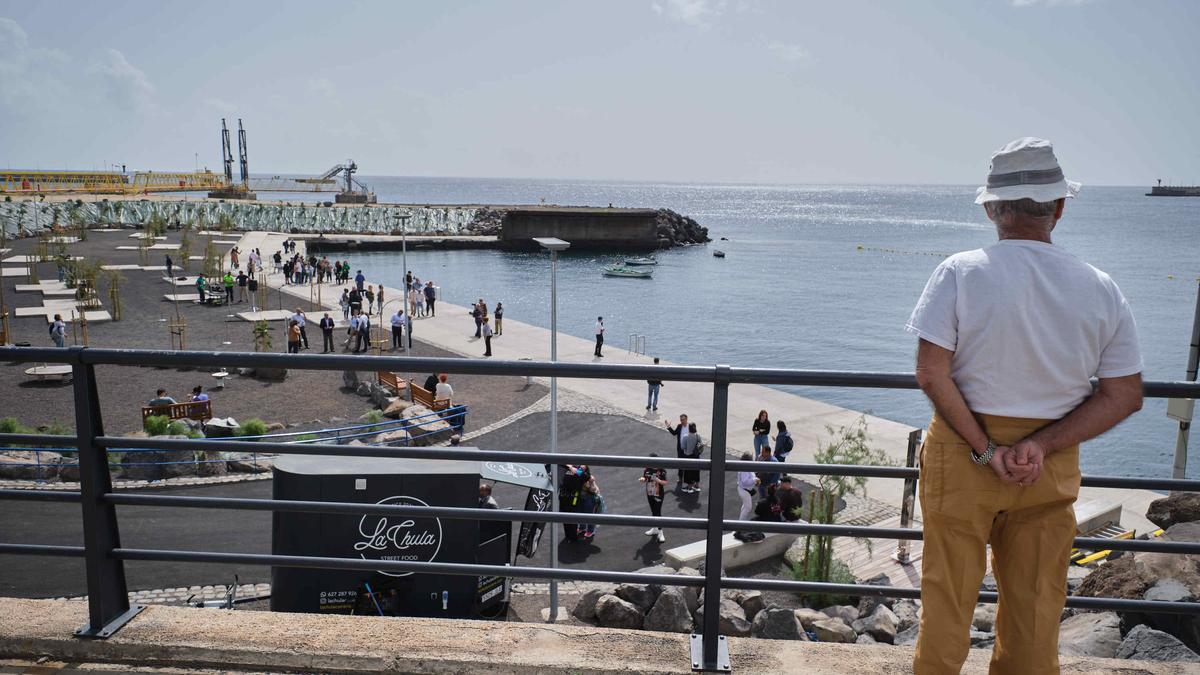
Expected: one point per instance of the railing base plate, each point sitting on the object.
(721, 666)
(108, 629)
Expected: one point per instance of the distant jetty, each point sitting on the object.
(509, 227)
(1161, 190)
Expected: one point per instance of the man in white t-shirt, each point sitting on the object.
(1010, 336)
(599, 335)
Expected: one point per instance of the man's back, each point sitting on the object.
(1029, 324)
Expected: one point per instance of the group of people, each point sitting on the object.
(300, 270)
(578, 492)
(162, 398)
(483, 323)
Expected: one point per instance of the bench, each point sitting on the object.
(734, 553)
(192, 410)
(392, 380)
(424, 397)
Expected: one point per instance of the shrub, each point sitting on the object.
(839, 573)
(252, 427)
(11, 425)
(177, 429)
(194, 433)
(156, 425)
(373, 417)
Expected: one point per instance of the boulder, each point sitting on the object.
(1116, 579)
(984, 618)
(1169, 590)
(270, 374)
(670, 612)
(274, 426)
(585, 609)
(381, 396)
(221, 427)
(30, 465)
(351, 379)
(424, 428)
(807, 617)
(751, 602)
(867, 603)
(1183, 532)
(396, 407)
(908, 637)
(244, 462)
(865, 639)
(363, 389)
(846, 613)
(880, 625)
(613, 612)
(158, 464)
(213, 464)
(1180, 507)
(1090, 634)
(795, 553)
(656, 569)
(1143, 642)
(982, 640)
(640, 595)
(691, 593)
(732, 619)
(777, 623)
(907, 614)
(834, 629)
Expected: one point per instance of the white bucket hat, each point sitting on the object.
(1026, 169)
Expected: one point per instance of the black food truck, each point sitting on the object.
(416, 482)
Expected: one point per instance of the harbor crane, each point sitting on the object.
(353, 192)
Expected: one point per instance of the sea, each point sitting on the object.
(818, 277)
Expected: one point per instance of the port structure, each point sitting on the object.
(352, 192)
(232, 190)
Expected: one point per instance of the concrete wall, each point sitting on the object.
(590, 228)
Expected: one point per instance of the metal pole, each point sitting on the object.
(710, 651)
(908, 497)
(554, 430)
(1181, 436)
(108, 599)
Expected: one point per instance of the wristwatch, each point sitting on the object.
(986, 457)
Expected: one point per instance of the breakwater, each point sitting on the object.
(511, 227)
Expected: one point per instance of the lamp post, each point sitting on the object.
(403, 218)
(554, 245)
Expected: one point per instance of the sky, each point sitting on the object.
(726, 91)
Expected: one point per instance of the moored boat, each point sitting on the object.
(718, 254)
(619, 271)
(641, 261)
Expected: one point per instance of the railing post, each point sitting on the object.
(108, 599)
(710, 651)
(908, 498)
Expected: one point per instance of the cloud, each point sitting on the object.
(697, 13)
(31, 79)
(220, 105)
(125, 85)
(792, 53)
(322, 86)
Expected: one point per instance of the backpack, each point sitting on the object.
(51, 328)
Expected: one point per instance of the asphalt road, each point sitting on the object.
(614, 548)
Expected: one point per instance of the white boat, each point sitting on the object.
(641, 261)
(718, 254)
(618, 271)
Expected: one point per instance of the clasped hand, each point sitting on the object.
(1020, 463)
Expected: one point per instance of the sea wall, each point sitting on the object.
(28, 217)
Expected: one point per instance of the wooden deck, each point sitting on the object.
(866, 564)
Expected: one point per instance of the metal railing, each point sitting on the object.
(108, 603)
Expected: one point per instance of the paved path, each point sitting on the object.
(453, 331)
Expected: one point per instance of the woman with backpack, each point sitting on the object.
(655, 480)
(590, 501)
(783, 442)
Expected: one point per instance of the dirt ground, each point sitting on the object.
(308, 399)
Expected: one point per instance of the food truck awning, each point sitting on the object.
(527, 475)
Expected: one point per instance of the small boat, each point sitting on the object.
(641, 261)
(619, 271)
(718, 254)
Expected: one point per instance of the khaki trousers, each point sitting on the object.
(965, 507)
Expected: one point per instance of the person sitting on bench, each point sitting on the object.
(161, 398)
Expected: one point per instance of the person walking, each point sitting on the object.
(499, 318)
(655, 484)
(363, 342)
(680, 432)
(327, 324)
(351, 331)
(1009, 337)
(228, 281)
(599, 335)
(747, 484)
(652, 387)
(783, 441)
(201, 287)
(359, 280)
(430, 298)
(233, 258)
(293, 337)
(58, 331)
(762, 431)
(344, 303)
(170, 267)
(242, 280)
(691, 449)
(487, 338)
(477, 315)
(370, 296)
(398, 328)
(301, 320)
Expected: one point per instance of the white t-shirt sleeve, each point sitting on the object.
(1122, 355)
(935, 318)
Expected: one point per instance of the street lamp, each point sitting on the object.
(403, 218)
(554, 245)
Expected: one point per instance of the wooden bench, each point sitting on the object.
(390, 379)
(424, 397)
(192, 410)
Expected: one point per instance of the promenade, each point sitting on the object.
(453, 330)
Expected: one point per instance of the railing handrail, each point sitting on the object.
(107, 597)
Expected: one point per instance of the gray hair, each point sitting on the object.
(1021, 213)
